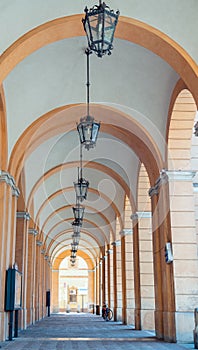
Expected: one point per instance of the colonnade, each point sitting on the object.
(19, 246)
(131, 273)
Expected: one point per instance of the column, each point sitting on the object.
(42, 284)
(119, 280)
(55, 290)
(91, 278)
(100, 285)
(31, 276)
(163, 227)
(21, 260)
(123, 276)
(38, 281)
(115, 292)
(129, 277)
(111, 279)
(159, 326)
(8, 195)
(146, 270)
(103, 260)
(108, 282)
(97, 283)
(136, 266)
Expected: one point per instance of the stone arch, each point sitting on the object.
(128, 29)
(3, 132)
(131, 133)
(182, 113)
(64, 254)
(112, 204)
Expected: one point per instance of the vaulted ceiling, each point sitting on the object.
(45, 96)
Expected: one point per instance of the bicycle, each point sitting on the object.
(107, 313)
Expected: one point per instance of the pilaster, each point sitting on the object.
(38, 298)
(136, 266)
(164, 281)
(55, 290)
(118, 266)
(21, 257)
(31, 276)
(123, 276)
(184, 245)
(108, 282)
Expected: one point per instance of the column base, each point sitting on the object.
(130, 316)
(159, 324)
(3, 322)
(169, 327)
(119, 314)
(137, 313)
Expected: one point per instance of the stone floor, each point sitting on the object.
(84, 332)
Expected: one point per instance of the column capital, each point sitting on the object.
(116, 243)
(23, 215)
(134, 216)
(109, 251)
(144, 214)
(46, 257)
(32, 231)
(42, 251)
(162, 180)
(7, 178)
(39, 243)
(180, 175)
(153, 191)
(126, 231)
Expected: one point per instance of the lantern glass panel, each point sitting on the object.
(77, 223)
(95, 130)
(78, 212)
(81, 133)
(76, 238)
(81, 188)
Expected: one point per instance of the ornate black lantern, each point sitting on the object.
(77, 223)
(78, 211)
(87, 128)
(72, 256)
(74, 247)
(81, 188)
(82, 185)
(100, 24)
(76, 238)
(88, 131)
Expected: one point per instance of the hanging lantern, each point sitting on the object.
(76, 238)
(88, 131)
(78, 211)
(81, 188)
(74, 247)
(100, 24)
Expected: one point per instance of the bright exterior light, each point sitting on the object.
(100, 24)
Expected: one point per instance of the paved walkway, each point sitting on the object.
(85, 332)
